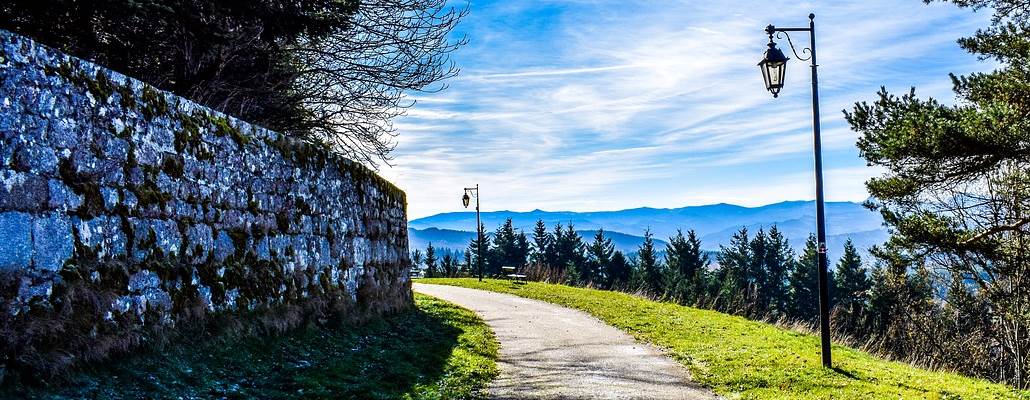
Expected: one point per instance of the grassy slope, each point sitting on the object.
(434, 351)
(739, 358)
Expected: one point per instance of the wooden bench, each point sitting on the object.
(512, 273)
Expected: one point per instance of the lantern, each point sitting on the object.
(773, 66)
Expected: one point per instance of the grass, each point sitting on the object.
(436, 350)
(739, 358)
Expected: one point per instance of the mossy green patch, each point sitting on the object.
(99, 85)
(740, 358)
(83, 185)
(148, 193)
(153, 103)
(224, 127)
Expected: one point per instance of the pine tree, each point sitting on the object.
(542, 245)
(555, 260)
(474, 252)
(522, 248)
(510, 248)
(448, 265)
(779, 259)
(731, 277)
(850, 288)
(955, 181)
(466, 266)
(649, 268)
(804, 284)
(687, 265)
(569, 249)
(600, 254)
(571, 276)
(431, 261)
(901, 314)
(416, 259)
(618, 272)
(757, 275)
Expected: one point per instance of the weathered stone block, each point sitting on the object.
(64, 133)
(35, 158)
(23, 191)
(61, 197)
(111, 198)
(52, 241)
(224, 246)
(16, 246)
(199, 237)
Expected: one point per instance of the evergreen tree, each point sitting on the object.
(649, 268)
(756, 276)
(480, 241)
(571, 276)
(556, 261)
(964, 320)
(569, 249)
(901, 312)
(448, 264)
(618, 272)
(600, 254)
(731, 277)
(466, 266)
(687, 265)
(522, 248)
(956, 183)
(779, 259)
(542, 245)
(850, 288)
(510, 248)
(416, 259)
(804, 284)
(431, 261)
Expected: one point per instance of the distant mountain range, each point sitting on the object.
(715, 224)
(459, 240)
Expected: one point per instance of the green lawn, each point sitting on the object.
(435, 351)
(739, 358)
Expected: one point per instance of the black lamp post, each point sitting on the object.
(465, 199)
(773, 67)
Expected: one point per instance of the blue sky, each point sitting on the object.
(601, 105)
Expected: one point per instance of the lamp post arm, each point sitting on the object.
(785, 33)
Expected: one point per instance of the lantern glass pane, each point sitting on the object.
(765, 74)
(775, 74)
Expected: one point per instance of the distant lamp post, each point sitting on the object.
(465, 199)
(773, 67)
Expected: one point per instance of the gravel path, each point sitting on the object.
(553, 352)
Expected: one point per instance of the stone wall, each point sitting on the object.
(125, 210)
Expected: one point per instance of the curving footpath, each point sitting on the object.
(553, 352)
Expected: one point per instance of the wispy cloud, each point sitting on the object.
(611, 104)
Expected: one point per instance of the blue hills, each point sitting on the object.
(714, 223)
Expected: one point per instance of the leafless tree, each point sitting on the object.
(355, 83)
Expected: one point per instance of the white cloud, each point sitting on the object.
(602, 104)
